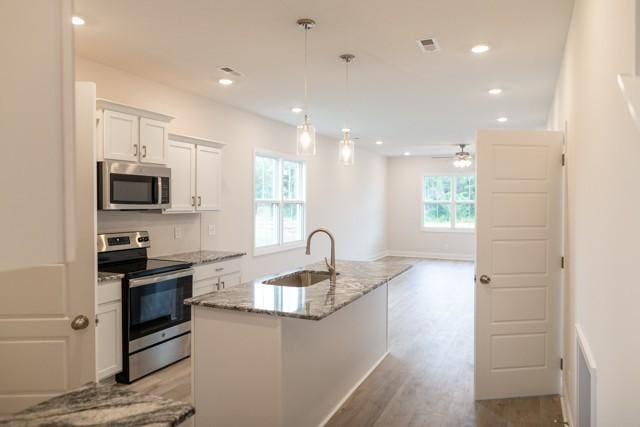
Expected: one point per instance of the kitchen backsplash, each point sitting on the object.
(169, 233)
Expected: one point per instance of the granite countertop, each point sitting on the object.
(315, 302)
(203, 257)
(103, 276)
(97, 405)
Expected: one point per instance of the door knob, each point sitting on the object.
(485, 280)
(79, 322)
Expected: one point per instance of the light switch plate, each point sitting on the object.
(212, 229)
(177, 233)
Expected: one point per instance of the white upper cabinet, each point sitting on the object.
(154, 136)
(208, 174)
(131, 134)
(182, 161)
(120, 136)
(196, 173)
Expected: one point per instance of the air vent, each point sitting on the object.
(230, 70)
(429, 45)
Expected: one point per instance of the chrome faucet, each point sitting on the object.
(330, 266)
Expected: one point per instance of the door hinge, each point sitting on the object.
(564, 159)
(562, 262)
(561, 363)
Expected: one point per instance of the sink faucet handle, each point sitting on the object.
(330, 267)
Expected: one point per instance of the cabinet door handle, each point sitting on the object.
(144, 151)
(219, 268)
(222, 284)
(193, 201)
(199, 201)
(135, 148)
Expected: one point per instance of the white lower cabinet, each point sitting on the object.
(109, 330)
(215, 276)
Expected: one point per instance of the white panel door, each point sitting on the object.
(121, 139)
(518, 263)
(208, 176)
(153, 141)
(41, 355)
(182, 161)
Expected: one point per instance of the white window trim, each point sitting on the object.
(280, 247)
(451, 228)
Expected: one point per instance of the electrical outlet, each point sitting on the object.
(177, 233)
(212, 229)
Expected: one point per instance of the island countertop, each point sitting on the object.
(315, 302)
(94, 405)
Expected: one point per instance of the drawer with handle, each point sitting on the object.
(205, 271)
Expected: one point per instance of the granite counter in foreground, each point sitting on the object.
(315, 302)
(97, 405)
(203, 257)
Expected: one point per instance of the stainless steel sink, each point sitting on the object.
(299, 279)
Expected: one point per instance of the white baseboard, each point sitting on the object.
(566, 410)
(350, 392)
(433, 255)
(378, 256)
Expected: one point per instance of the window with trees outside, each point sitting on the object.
(449, 202)
(279, 203)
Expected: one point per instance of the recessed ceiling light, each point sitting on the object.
(502, 119)
(406, 153)
(77, 21)
(296, 110)
(379, 142)
(480, 48)
(495, 91)
(225, 82)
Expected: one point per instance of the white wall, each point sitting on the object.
(406, 236)
(602, 292)
(350, 201)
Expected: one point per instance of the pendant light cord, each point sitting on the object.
(306, 104)
(348, 93)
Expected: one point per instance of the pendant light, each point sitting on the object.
(346, 147)
(462, 159)
(306, 133)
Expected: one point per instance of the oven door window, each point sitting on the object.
(134, 189)
(158, 306)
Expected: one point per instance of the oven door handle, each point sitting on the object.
(149, 280)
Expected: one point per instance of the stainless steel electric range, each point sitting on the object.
(156, 325)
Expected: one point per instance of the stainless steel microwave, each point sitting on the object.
(130, 186)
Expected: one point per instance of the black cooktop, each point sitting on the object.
(143, 267)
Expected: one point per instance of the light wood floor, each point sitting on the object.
(427, 380)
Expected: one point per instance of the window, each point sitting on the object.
(449, 202)
(279, 203)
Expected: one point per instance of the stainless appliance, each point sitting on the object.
(156, 325)
(130, 186)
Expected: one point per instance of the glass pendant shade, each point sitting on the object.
(306, 139)
(346, 150)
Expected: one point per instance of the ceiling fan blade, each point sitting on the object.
(442, 157)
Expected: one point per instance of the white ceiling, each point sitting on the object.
(411, 100)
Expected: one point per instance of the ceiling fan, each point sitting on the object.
(461, 159)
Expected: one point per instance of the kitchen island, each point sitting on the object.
(276, 355)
